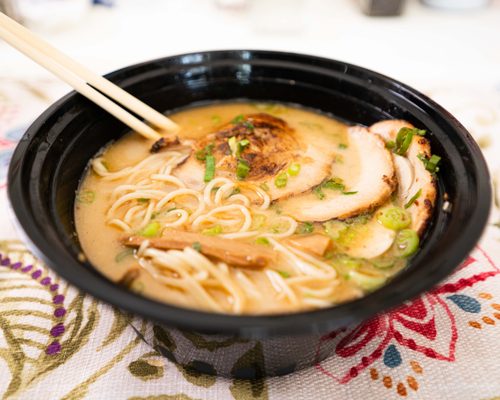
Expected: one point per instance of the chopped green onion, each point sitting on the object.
(241, 146)
(242, 169)
(85, 197)
(318, 191)
(334, 228)
(404, 138)
(233, 145)
(124, 254)
(203, 153)
(244, 142)
(407, 242)
(349, 262)
(143, 200)
(390, 144)
(248, 125)
(383, 262)
(151, 230)
(263, 241)
(305, 227)
(196, 246)
(212, 231)
(264, 187)
(403, 142)
(349, 193)
(414, 197)
(216, 119)
(394, 218)
(281, 180)
(367, 281)
(431, 163)
(294, 169)
(333, 184)
(342, 146)
(284, 274)
(239, 118)
(258, 221)
(209, 168)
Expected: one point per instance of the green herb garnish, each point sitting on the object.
(151, 230)
(241, 146)
(212, 231)
(248, 125)
(263, 241)
(331, 184)
(196, 246)
(404, 138)
(414, 197)
(209, 168)
(342, 146)
(394, 218)
(143, 200)
(203, 153)
(233, 145)
(305, 227)
(294, 169)
(430, 164)
(242, 169)
(284, 274)
(281, 180)
(390, 144)
(349, 193)
(239, 118)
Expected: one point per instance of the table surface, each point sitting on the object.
(442, 345)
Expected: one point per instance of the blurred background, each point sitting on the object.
(449, 49)
(428, 41)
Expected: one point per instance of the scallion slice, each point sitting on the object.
(212, 231)
(413, 198)
(294, 169)
(281, 180)
(209, 168)
(242, 169)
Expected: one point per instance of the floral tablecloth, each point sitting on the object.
(59, 343)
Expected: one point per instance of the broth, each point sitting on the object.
(293, 262)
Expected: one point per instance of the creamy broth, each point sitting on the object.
(347, 260)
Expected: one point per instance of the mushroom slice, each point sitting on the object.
(270, 147)
(422, 180)
(369, 189)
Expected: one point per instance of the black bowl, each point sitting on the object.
(52, 156)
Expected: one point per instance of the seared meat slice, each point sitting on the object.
(228, 250)
(370, 189)
(269, 148)
(412, 174)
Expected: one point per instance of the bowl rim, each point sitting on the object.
(251, 326)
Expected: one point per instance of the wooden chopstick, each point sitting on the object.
(79, 77)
